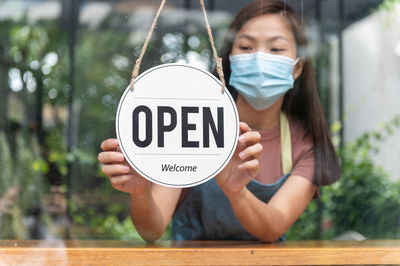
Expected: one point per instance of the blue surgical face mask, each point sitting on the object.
(261, 78)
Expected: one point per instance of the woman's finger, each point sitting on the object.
(244, 127)
(109, 145)
(250, 137)
(252, 151)
(117, 180)
(115, 169)
(110, 157)
(250, 166)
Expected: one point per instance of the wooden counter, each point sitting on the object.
(72, 252)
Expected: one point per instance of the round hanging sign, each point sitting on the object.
(176, 128)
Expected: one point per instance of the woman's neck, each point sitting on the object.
(259, 120)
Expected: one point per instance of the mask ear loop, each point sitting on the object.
(295, 62)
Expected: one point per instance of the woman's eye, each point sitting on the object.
(277, 50)
(245, 48)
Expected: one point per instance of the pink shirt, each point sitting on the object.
(270, 158)
(302, 153)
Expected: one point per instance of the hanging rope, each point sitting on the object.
(218, 60)
(302, 12)
(135, 71)
(136, 68)
(284, 6)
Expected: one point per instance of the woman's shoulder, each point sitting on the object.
(299, 133)
(302, 149)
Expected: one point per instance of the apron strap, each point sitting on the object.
(286, 145)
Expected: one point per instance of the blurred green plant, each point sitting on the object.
(22, 188)
(35, 59)
(364, 200)
(388, 5)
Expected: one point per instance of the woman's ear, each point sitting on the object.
(298, 68)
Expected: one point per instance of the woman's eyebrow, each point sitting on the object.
(272, 39)
(246, 36)
(277, 37)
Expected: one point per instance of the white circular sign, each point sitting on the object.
(177, 128)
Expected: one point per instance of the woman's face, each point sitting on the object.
(269, 33)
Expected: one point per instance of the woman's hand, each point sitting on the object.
(243, 166)
(121, 175)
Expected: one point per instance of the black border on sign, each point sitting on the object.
(127, 90)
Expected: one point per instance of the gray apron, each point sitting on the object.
(206, 213)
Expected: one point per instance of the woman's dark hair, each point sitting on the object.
(302, 102)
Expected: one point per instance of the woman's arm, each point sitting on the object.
(152, 210)
(269, 221)
(152, 206)
(265, 221)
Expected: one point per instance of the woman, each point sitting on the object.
(284, 152)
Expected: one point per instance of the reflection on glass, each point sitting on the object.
(51, 191)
